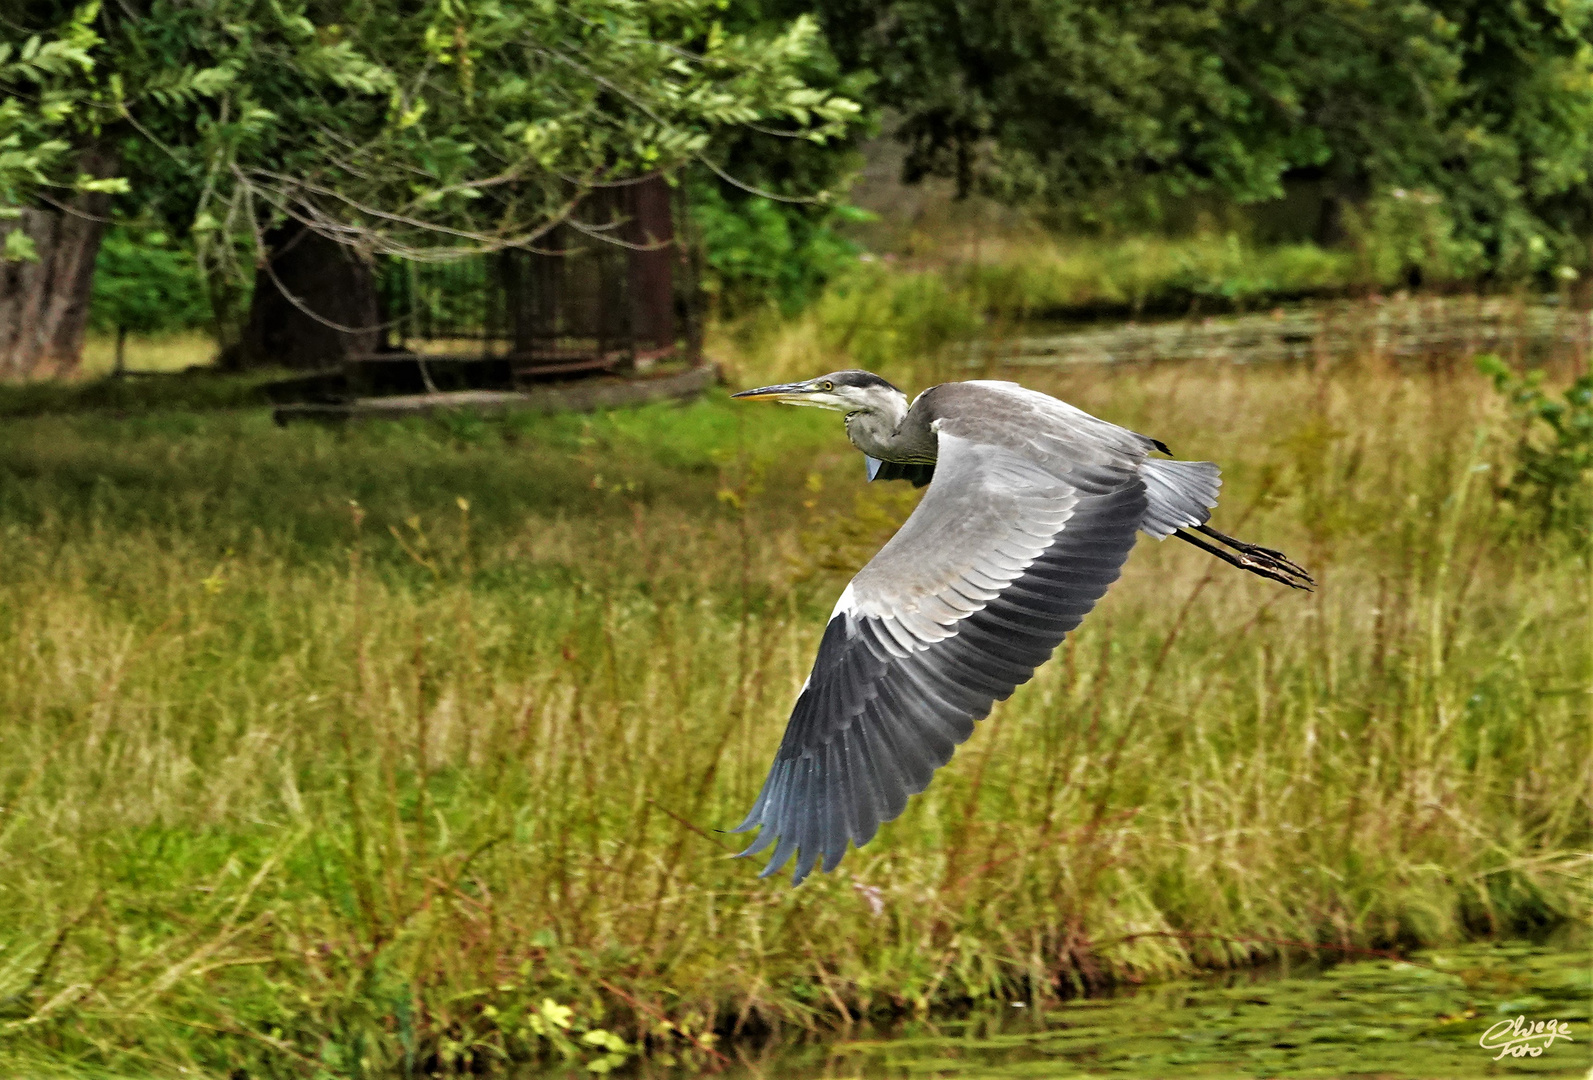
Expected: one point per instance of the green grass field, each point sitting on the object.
(401, 746)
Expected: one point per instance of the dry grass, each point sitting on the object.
(148, 352)
(293, 786)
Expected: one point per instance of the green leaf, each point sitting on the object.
(19, 247)
(109, 185)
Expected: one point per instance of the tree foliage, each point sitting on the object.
(430, 129)
(146, 281)
(761, 252)
(427, 129)
(50, 102)
(1486, 106)
(765, 239)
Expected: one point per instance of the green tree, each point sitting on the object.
(145, 282)
(1486, 106)
(56, 180)
(426, 130)
(48, 79)
(766, 239)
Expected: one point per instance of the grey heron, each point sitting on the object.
(1032, 508)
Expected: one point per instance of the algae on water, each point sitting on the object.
(1381, 1018)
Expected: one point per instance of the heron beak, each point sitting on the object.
(789, 392)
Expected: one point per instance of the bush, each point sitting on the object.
(1402, 235)
(1057, 276)
(146, 282)
(884, 319)
(762, 253)
(1554, 456)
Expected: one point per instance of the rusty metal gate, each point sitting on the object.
(618, 292)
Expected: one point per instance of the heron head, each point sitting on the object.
(844, 391)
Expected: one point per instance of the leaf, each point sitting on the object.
(555, 1014)
(607, 1040)
(1492, 366)
(107, 185)
(212, 81)
(19, 247)
(410, 117)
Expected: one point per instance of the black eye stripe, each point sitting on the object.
(861, 380)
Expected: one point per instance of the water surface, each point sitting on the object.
(1374, 1018)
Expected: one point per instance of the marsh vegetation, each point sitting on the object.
(404, 746)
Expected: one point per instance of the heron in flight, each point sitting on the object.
(1032, 508)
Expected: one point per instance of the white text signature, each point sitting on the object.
(1524, 1038)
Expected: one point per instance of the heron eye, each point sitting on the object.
(826, 385)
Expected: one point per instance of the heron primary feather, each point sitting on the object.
(1032, 508)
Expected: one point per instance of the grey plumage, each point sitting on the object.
(1179, 494)
(1031, 511)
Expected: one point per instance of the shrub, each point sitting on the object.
(144, 281)
(1554, 456)
(758, 252)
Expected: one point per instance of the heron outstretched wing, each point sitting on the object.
(1021, 531)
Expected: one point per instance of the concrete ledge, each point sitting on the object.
(587, 395)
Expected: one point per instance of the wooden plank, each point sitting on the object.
(585, 396)
(596, 363)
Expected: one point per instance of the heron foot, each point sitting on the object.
(1262, 561)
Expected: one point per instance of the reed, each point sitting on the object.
(404, 747)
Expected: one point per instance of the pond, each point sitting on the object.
(1421, 1018)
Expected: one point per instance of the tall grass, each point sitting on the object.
(405, 746)
(1050, 276)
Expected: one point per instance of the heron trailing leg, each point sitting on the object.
(1252, 557)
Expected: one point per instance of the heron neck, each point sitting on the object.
(887, 433)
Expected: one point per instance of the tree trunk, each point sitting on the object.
(322, 276)
(44, 305)
(651, 224)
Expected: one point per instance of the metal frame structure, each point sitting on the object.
(615, 291)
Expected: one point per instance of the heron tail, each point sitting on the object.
(1178, 495)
